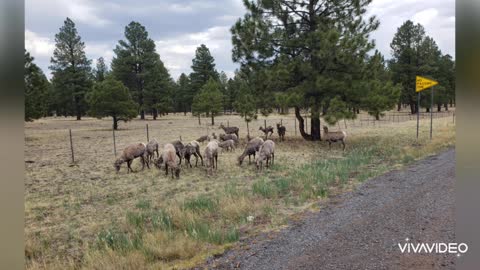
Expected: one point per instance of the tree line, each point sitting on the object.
(315, 58)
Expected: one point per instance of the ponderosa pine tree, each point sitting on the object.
(134, 62)
(209, 100)
(71, 71)
(203, 66)
(406, 60)
(158, 92)
(318, 46)
(101, 70)
(111, 98)
(183, 94)
(36, 90)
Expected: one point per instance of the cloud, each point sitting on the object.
(438, 18)
(37, 45)
(177, 53)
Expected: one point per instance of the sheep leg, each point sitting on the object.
(196, 159)
(329, 145)
(216, 162)
(129, 169)
(273, 157)
(201, 158)
(166, 169)
(343, 145)
(148, 165)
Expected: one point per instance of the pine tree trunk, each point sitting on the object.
(439, 107)
(399, 106)
(427, 109)
(115, 123)
(77, 109)
(315, 126)
(213, 120)
(155, 114)
(315, 129)
(412, 107)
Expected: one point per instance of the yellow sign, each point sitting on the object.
(424, 83)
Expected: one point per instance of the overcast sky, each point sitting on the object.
(179, 27)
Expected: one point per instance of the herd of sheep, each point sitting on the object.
(263, 151)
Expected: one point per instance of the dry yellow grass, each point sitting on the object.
(66, 207)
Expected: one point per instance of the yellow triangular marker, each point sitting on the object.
(424, 83)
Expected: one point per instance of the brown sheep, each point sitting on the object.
(130, 153)
(229, 130)
(192, 148)
(252, 147)
(225, 137)
(168, 159)
(267, 153)
(228, 145)
(152, 148)
(267, 130)
(203, 138)
(211, 156)
(281, 131)
(334, 136)
(178, 149)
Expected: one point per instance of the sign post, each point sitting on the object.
(422, 84)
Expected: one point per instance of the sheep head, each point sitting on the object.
(325, 128)
(118, 163)
(158, 162)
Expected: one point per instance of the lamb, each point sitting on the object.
(178, 148)
(152, 147)
(267, 130)
(266, 152)
(211, 155)
(129, 154)
(168, 159)
(252, 146)
(226, 137)
(192, 148)
(229, 130)
(281, 131)
(228, 145)
(334, 136)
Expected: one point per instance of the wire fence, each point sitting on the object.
(97, 143)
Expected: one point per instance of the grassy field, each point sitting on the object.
(85, 216)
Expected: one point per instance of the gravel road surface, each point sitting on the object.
(362, 229)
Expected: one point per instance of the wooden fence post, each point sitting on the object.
(71, 145)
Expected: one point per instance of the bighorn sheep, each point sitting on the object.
(211, 155)
(152, 147)
(192, 149)
(267, 130)
(168, 159)
(129, 154)
(252, 146)
(203, 138)
(266, 152)
(178, 149)
(229, 130)
(281, 131)
(334, 136)
(227, 145)
(225, 137)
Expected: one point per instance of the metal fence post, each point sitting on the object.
(148, 137)
(71, 145)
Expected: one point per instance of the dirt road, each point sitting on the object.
(362, 229)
